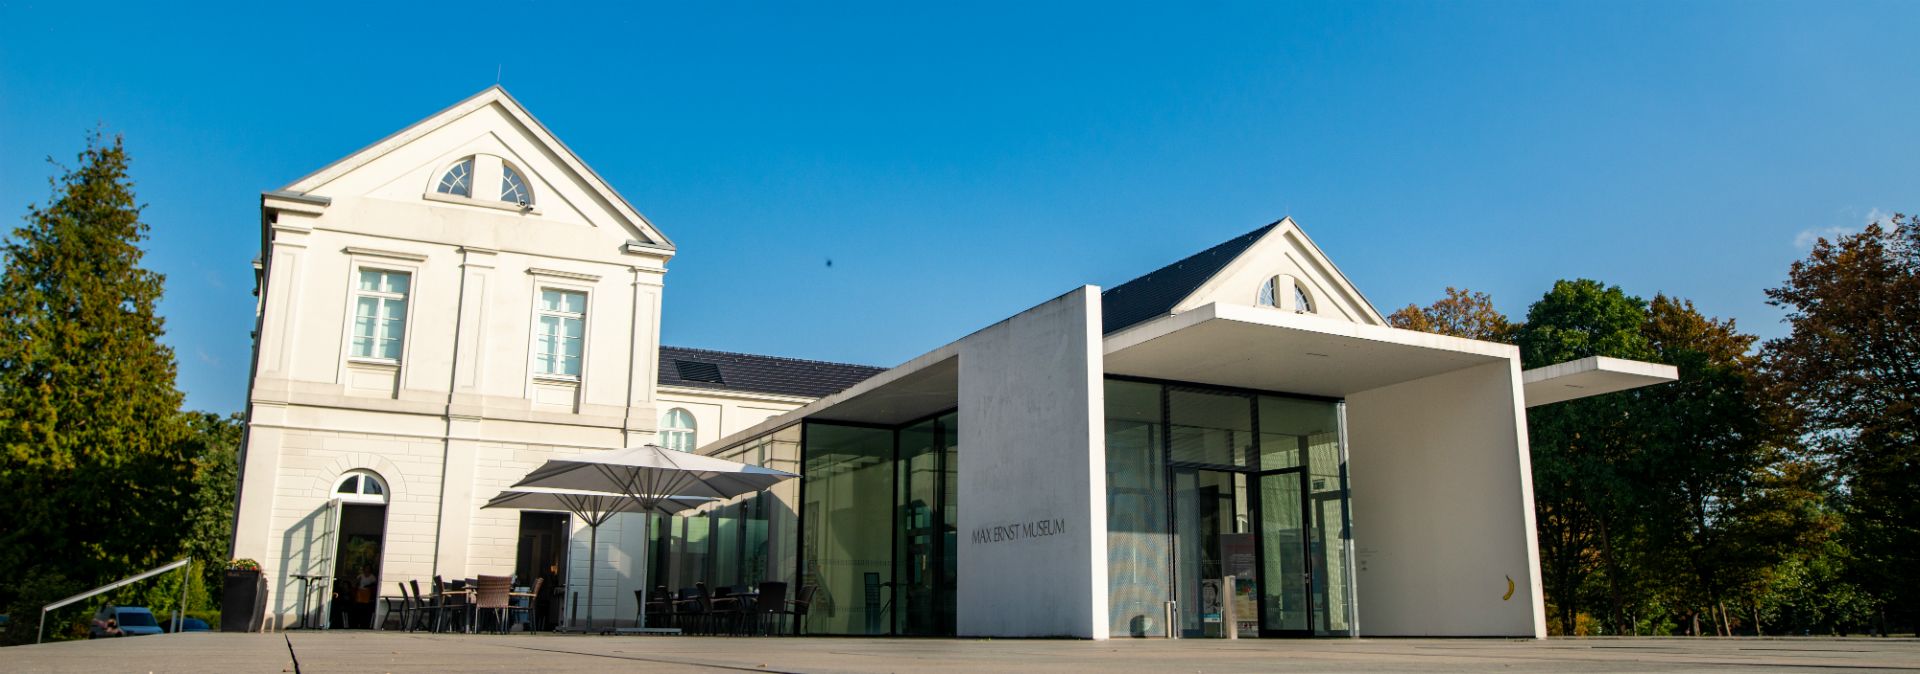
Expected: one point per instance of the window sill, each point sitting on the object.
(375, 363)
(529, 209)
(555, 379)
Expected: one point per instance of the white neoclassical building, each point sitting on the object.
(439, 313)
(1235, 443)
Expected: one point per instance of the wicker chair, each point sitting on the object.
(397, 615)
(766, 608)
(425, 613)
(693, 608)
(492, 597)
(798, 608)
(527, 610)
(449, 603)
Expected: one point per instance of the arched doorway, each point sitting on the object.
(360, 536)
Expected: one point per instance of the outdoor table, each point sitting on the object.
(470, 593)
(306, 588)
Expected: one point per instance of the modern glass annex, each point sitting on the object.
(1204, 483)
(870, 526)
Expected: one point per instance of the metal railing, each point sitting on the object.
(177, 618)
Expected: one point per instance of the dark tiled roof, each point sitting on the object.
(1154, 295)
(725, 371)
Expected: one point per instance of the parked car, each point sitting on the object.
(123, 621)
(186, 625)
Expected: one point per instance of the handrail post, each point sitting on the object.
(129, 580)
(180, 612)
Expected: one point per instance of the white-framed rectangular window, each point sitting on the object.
(380, 313)
(560, 335)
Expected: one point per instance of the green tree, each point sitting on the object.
(1851, 368)
(1581, 448)
(213, 442)
(94, 477)
(1719, 498)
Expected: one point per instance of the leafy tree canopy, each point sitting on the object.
(94, 477)
(1582, 318)
(1462, 313)
(1851, 368)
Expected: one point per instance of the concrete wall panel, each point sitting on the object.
(1443, 507)
(1032, 509)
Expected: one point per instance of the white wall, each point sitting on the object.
(1442, 498)
(460, 416)
(1032, 450)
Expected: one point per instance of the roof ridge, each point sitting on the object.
(1155, 293)
(664, 347)
(1210, 250)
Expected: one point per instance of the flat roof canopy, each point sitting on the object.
(1273, 350)
(914, 395)
(1591, 376)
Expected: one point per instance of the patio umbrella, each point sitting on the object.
(592, 507)
(649, 474)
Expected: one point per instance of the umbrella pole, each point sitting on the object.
(593, 560)
(646, 523)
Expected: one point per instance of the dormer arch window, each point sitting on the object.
(466, 181)
(1269, 294)
(458, 180)
(513, 188)
(1280, 287)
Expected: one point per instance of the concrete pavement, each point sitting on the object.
(343, 651)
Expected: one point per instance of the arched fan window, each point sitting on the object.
(513, 188)
(458, 179)
(361, 486)
(1269, 293)
(678, 430)
(1302, 303)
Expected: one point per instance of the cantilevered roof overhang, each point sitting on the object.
(915, 390)
(1268, 349)
(1591, 376)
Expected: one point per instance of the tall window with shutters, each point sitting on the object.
(560, 337)
(380, 314)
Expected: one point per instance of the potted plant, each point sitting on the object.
(244, 601)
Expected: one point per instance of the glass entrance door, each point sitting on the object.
(1286, 597)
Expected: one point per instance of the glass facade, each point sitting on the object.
(741, 541)
(1207, 483)
(846, 513)
(927, 528)
(1139, 573)
(871, 525)
(1202, 484)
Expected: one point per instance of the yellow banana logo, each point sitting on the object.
(1509, 594)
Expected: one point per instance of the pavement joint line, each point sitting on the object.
(663, 661)
(1706, 663)
(291, 654)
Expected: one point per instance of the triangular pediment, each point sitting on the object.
(1262, 267)
(1285, 257)
(495, 131)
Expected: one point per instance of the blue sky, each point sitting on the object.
(960, 163)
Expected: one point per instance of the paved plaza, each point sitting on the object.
(400, 652)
